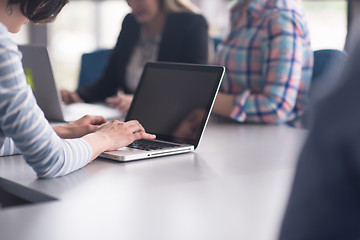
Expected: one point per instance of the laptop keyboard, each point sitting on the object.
(149, 145)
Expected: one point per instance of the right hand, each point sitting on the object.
(70, 97)
(120, 134)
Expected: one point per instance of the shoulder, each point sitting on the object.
(286, 10)
(286, 15)
(184, 18)
(129, 20)
(6, 44)
(130, 26)
(8, 48)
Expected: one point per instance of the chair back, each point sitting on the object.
(92, 66)
(326, 58)
(328, 63)
(216, 41)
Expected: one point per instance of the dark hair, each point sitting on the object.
(40, 11)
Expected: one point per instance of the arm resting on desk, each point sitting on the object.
(8, 148)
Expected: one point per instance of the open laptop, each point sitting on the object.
(38, 71)
(174, 102)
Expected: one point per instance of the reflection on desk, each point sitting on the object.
(234, 186)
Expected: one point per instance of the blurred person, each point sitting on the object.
(156, 30)
(269, 63)
(324, 202)
(23, 127)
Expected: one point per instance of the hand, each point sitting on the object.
(120, 134)
(70, 97)
(114, 135)
(85, 125)
(121, 101)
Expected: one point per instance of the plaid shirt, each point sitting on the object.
(269, 62)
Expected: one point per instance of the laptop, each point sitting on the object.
(39, 75)
(172, 101)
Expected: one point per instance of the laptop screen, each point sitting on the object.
(173, 101)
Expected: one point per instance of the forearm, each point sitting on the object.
(51, 156)
(224, 104)
(97, 142)
(8, 148)
(267, 108)
(69, 156)
(253, 107)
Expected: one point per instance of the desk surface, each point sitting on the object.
(234, 186)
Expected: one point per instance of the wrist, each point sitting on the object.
(98, 142)
(59, 130)
(63, 131)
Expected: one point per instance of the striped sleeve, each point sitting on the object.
(22, 120)
(8, 148)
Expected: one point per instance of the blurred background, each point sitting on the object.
(86, 25)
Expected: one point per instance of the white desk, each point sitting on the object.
(234, 186)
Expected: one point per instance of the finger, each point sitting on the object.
(122, 106)
(93, 128)
(119, 107)
(75, 98)
(65, 99)
(110, 100)
(97, 120)
(112, 103)
(140, 127)
(101, 125)
(78, 99)
(144, 135)
(132, 123)
(135, 126)
(135, 129)
(65, 96)
(70, 98)
(113, 99)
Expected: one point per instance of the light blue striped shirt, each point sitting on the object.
(22, 122)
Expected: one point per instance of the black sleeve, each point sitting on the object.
(111, 79)
(195, 48)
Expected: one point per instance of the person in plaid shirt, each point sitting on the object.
(269, 63)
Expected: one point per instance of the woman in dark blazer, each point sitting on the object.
(183, 37)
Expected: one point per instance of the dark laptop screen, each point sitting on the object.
(173, 100)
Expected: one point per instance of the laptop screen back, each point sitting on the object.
(37, 68)
(173, 101)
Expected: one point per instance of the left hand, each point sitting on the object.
(121, 101)
(85, 125)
